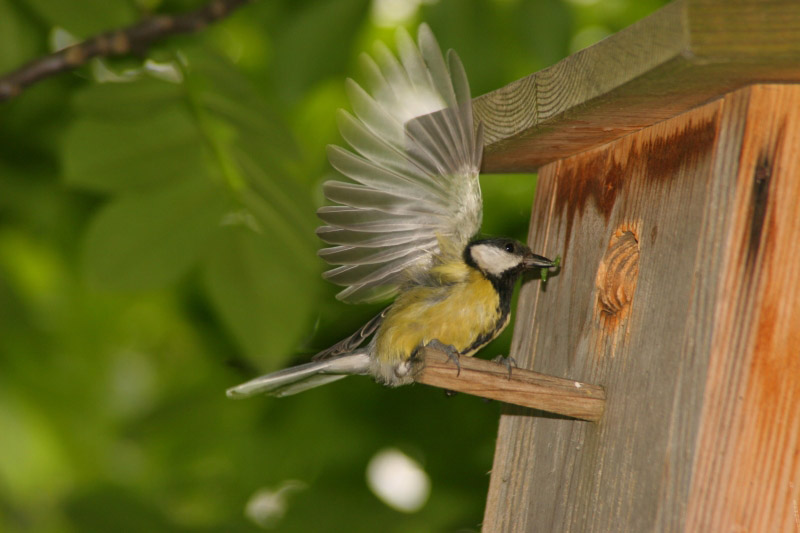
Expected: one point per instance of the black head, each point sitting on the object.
(502, 258)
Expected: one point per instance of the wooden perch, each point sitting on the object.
(488, 379)
(134, 39)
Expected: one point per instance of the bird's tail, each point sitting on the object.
(303, 377)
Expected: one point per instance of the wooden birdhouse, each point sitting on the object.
(669, 182)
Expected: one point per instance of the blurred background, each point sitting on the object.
(157, 246)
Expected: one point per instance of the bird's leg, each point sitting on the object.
(506, 362)
(449, 349)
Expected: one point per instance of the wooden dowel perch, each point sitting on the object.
(488, 379)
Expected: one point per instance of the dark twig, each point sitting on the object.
(135, 39)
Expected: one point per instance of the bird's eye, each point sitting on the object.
(510, 248)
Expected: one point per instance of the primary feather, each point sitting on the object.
(414, 186)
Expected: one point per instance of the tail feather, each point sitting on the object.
(303, 377)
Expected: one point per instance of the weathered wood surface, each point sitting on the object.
(516, 386)
(686, 54)
(747, 463)
(699, 347)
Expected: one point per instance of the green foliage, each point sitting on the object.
(256, 290)
(17, 37)
(133, 136)
(193, 180)
(84, 18)
(144, 241)
(157, 246)
(316, 44)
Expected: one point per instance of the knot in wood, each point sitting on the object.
(617, 274)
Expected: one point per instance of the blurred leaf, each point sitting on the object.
(543, 29)
(243, 39)
(163, 144)
(104, 508)
(314, 120)
(18, 37)
(479, 36)
(148, 240)
(262, 276)
(135, 153)
(221, 89)
(507, 201)
(113, 101)
(315, 44)
(33, 458)
(85, 17)
(260, 290)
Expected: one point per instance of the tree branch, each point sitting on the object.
(528, 389)
(135, 39)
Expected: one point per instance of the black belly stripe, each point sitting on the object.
(486, 338)
(505, 288)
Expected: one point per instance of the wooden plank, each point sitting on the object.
(686, 54)
(515, 386)
(669, 185)
(747, 467)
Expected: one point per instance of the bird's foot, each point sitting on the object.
(449, 349)
(506, 362)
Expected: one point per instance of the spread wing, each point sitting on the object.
(414, 185)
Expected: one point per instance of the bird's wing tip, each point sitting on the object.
(235, 393)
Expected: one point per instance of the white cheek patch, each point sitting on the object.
(493, 260)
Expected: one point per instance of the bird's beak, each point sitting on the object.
(532, 260)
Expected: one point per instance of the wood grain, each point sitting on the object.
(701, 430)
(520, 387)
(684, 55)
(747, 466)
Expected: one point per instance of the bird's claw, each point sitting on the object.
(449, 349)
(506, 362)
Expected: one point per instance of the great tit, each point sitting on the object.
(406, 224)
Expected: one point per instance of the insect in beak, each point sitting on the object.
(532, 260)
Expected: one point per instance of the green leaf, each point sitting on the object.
(159, 148)
(507, 200)
(103, 507)
(18, 37)
(137, 99)
(315, 44)
(255, 144)
(223, 91)
(263, 293)
(85, 17)
(544, 31)
(145, 241)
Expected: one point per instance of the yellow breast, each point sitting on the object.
(461, 308)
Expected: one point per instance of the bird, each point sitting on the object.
(406, 224)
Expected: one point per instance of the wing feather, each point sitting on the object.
(338, 236)
(413, 169)
(358, 255)
(371, 220)
(384, 154)
(367, 273)
(361, 196)
(373, 174)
